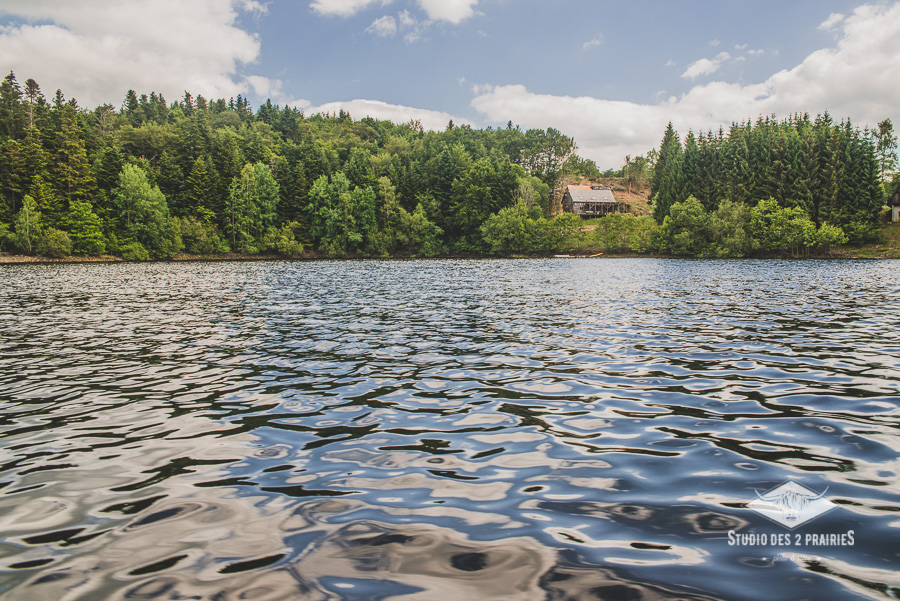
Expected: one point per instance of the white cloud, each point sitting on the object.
(847, 80)
(342, 8)
(833, 20)
(595, 41)
(376, 109)
(452, 11)
(265, 87)
(714, 43)
(407, 20)
(384, 27)
(95, 50)
(705, 66)
(414, 30)
(298, 103)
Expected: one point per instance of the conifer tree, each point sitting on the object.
(71, 174)
(32, 96)
(12, 114)
(690, 160)
(12, 184)
(665, 186)
(886, 148)
(202, 197)
(47, 201)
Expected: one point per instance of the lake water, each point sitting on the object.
(430, 430)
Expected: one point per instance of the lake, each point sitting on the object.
(620, 429)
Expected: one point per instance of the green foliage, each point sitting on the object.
(482, 190)
(546, 154)
(729, 229)
(6, 237)
(523, 230)
(113, 177)
(582, 167)
(828, 236)
(637, 171)
(684, 229)
(54, 243)
(665, 187)
(143, 214)
(84, 229)
(829, 171)
(283, 241)
(619, 232)
(201, 237)
(509, 231)
(70, 170)
(28, 225)
(340, 218)
(775, 228)
(46, 200)
(886, 148)
(134, 251)
(251, 207)
(416, 235)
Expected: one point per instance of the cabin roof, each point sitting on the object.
(591, 194)
(894, 200)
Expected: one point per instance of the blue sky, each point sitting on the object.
(611, 74)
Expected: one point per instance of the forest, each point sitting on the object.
(153, 179)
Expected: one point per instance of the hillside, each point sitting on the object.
(637, 197)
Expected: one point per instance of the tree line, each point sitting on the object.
(830, 173)
(153, 179)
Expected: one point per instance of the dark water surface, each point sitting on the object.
(460, 430)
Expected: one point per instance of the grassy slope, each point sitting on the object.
(889, 249)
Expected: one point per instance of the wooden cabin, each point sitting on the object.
(894, 204)
(591, 201)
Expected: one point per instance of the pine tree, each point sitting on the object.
(70, 170)
(47, 201)
(665, 188)
(886, 148)
(171, 183)
(12, 184)
(131, 108)
(804, 184)
(294, 191)
(202, 197)
(738, 166)
(832, 178)
(12, 114)
(32, 96)
(689, 167)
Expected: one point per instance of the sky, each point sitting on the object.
(609, 74)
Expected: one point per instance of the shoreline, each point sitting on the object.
(14, 259)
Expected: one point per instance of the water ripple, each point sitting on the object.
(429, 429)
